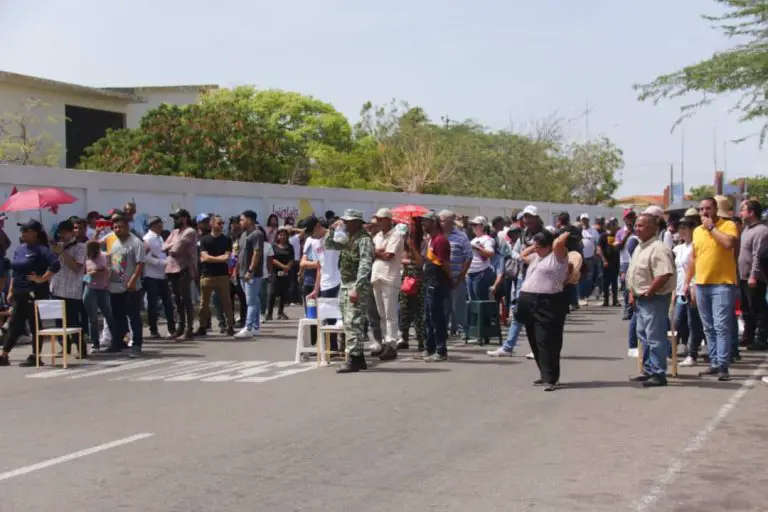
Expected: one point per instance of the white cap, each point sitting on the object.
(584, 216)
(479, 221)
(383, 213)
(531, 210)
(654, 210)
(519, 215)
(446, 214)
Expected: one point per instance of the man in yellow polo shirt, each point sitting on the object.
(713, 265)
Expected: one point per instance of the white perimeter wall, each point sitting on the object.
(159, 195)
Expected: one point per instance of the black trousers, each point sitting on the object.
(23, 313)
(158, 289)
(611, 283)
(543, 316)
(281, 290)
(72, 309)
(181, 286)
(753, 312)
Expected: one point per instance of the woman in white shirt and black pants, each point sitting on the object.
(480, 276)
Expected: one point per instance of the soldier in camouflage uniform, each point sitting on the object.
(356, 259)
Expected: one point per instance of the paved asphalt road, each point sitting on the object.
(182, 431)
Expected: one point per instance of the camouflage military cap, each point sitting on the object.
(352, 214)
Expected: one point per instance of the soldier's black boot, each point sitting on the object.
(353, 364)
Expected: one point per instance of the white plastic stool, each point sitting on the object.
(303, 340)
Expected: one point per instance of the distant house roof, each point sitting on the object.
(641, 200)
(163, 88)
(78, 90)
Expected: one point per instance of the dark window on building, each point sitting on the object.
(85, 126)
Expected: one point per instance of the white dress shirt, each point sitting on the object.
(154, 262)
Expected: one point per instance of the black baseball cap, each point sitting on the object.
(153, 220)
(181, 212)
(31, 224)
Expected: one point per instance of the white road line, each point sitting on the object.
(173, 372)
(128, 366)
(72, 456)
(222, 371)
(285, 373)
(678, 465)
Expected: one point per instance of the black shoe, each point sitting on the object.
(230, 332)
(757, 348)
(388, 353)
(222, 330)
(112, 349)
(605, 304)
(709, 372)
(154, 336)
(640, 378)
(4, 361)
(402, 345)
(723, 376)
(282, 316)
(30, 361)
(135, 353)
(201, 331)
(268, 318)
(655, 381)
(353, 365)
(539, 382)
(420, 347)
(377, 353)
(172, 335)
(239, 324)
(552, 386)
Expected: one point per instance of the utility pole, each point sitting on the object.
(682, 163)
(671, 183)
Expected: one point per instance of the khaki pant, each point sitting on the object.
(207, 286)
(387, 296)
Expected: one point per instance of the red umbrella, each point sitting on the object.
(37, 199)
(405, 212)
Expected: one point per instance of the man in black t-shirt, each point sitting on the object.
(215, 252)
(611, 258)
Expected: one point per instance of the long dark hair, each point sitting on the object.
(92, 249)
(269, 220)
(417, 234)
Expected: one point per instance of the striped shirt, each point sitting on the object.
(461, 251)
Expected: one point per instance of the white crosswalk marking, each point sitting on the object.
(179, 370)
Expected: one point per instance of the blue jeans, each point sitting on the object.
(95, 301)
(456, 307)
(252, 288)
(515, 327)
(652, 319)
(633, 330)
(435, 298)
(589, 277)
(716, 307)
(479, 284)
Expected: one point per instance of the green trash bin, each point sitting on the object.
(483, 322)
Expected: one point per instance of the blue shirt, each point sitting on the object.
(29, 259)
(461, 251)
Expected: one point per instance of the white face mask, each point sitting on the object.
(340, 235)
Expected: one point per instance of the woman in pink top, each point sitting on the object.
(96, 294)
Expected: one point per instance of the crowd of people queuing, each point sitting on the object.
(397, 278)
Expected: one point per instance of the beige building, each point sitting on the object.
(76, 116)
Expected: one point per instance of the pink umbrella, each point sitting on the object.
(37, 199)
(405, 212)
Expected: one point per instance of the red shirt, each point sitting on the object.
(437, 265)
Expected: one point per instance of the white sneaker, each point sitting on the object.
(765, 380)
(688, 361)
(530, 355)
(584, 302)
(244, 333)
(376, 347)
(501, 352)
(633, 352)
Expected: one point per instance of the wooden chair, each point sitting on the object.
(55, 310)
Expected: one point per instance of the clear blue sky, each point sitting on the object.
(493, 61)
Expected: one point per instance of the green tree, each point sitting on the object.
(741, 69)
(24, 139)
(241, 134)
(592, 168)
(757, 187)
(702, 191)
